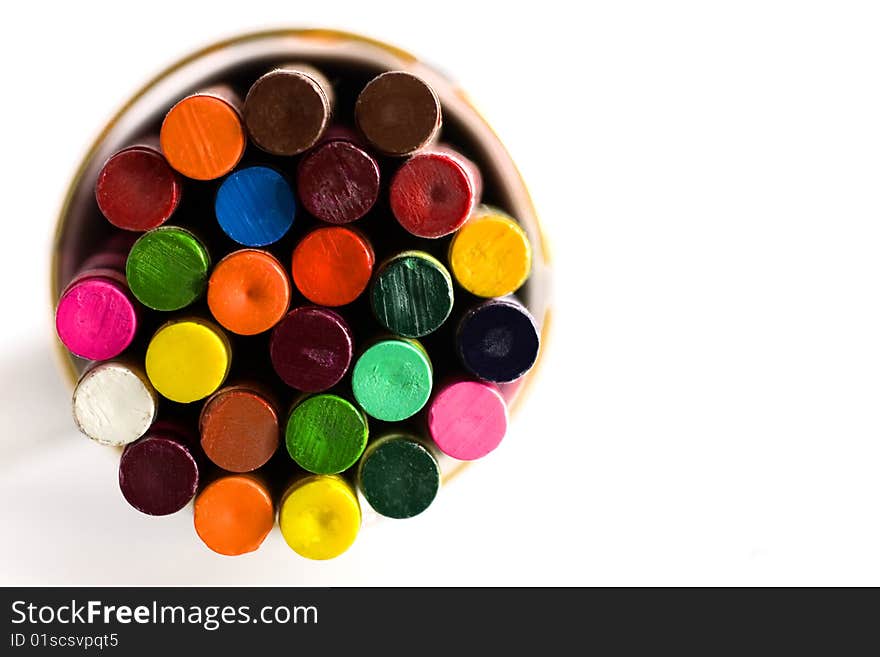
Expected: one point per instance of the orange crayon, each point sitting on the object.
(202, 136)
(234, 514)
(248, 292)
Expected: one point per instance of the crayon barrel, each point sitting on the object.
(238, 61)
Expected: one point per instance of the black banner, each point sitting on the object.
(220, 621)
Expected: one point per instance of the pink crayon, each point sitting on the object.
(467, 419)
(96, 317)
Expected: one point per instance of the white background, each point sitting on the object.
(707, 412)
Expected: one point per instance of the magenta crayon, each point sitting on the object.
(97, 316)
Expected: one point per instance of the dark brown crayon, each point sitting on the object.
(398, 113)
(288, 109)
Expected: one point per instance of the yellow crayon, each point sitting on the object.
(320, 516)
(188, 359)
(490, 256)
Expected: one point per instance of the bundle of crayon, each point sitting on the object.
(304, 306)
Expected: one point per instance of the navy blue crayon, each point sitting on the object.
(498, 340)
(255, 206)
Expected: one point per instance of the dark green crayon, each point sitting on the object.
(399, 476)
(412, 294)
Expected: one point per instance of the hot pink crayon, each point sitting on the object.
(97, 316)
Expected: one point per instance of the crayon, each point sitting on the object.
(399, 476)
(248, 292)
(398, 113)
(97, 317)
(255, 206)
(467, 419)
(239, 428)
(158, 474)
(137, 189)
(331, 266)
(326, 434)
(338, 181)
(391, 380)
(434, 192)
(287, 109)
(167, 268)
(498, 340)
(234, 514)
(311, 348)
(188, 359)
(114, 403)
(320, 516)
(490, 256)
(202, 136)
(412, 294)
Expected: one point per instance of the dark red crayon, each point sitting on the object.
(311, 348)
(137, 189)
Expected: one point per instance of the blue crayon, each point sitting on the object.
(255, 206)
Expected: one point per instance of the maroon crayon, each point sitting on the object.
(338, 181)
(159, 474)
(311, 348)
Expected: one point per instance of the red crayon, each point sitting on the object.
(332, 265)
(433, 192)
